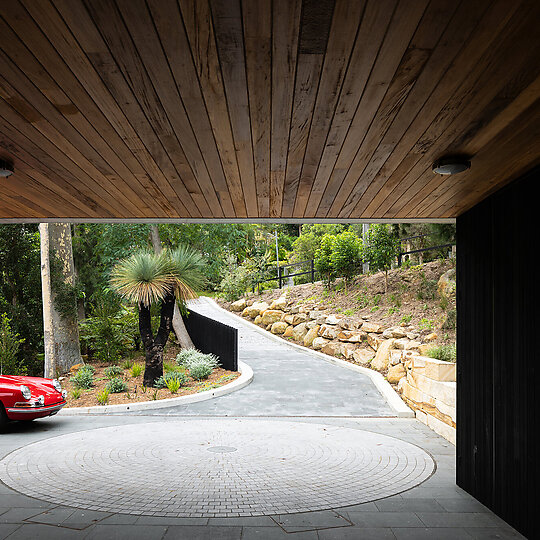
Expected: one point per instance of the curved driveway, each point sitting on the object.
(286, 382)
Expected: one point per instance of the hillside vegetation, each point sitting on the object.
(417, 313)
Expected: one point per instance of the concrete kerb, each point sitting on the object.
(383, 386)
(246, 376)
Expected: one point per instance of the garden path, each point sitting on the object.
(286, 382)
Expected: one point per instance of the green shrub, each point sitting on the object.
(425, 324)
(76, 393)
(84, 378)
(9, 347)
(443, 352)
(88, 367)
(346, 255)
(169, 366)
(113, 371)
(173, 385)
(200, 370)
(103, 397)
(180, 376)
(136, 370)
(406, 318)
(127, 363)
(323, 259)
(187, 357)
(116, 386)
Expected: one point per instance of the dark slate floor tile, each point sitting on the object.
(35, 531)
(431, 534)
(276, 533)
(458, 519)
(122, 532)
(385, 519)
(357, 533)
(306, 521)
(203, 533)
(408, 505)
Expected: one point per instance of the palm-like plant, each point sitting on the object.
(145, 279)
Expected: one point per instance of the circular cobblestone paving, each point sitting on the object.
(216, 468)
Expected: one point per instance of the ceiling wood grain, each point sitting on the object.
(261, 109)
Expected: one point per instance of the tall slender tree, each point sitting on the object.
(60, 325)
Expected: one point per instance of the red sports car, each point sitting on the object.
(28, 398)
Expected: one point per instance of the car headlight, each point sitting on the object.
(25, 391)
(57, 385)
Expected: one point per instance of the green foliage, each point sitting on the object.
(113, 371)
(172, 375)
(200, 370)
(346, 255)
(349, 312)
(76, 393)
(169, 366)
(381, 247)
(395, 299)
(84, 378)
(88, 367)
(127, 363)
(116, 386)
(10, 343)
(103, 397)
(20, 291)
(236, 281)
(199, 365)
(173, 385)
(425, 324)
(111, 331)
(443, 352)
(323, 259)
(136, 370)
(406, 318)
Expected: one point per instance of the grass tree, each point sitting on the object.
(147, 278)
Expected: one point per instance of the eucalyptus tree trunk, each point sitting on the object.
(177, 322)
(154, 345)
(60, 325)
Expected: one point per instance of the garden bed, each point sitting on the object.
(136, 392)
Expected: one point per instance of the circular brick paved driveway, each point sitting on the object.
(216, 468)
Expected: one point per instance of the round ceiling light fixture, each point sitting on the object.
(6, 168)
(451, 165)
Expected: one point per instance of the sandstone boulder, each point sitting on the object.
(372, 328)
(431, 337)
(279, 327)
(289, 331)
(332, 348)
(300, 330)
(299, 318)
(310, 336)
(258, 319)
(446, 286)
(347, 350)
(396, 373)
(328, 332)
(382, 358)
(314, 314)
(351, 336)
(374, 340)
(239, 305)
(256, 309)
(245, 312)
(363, 356)
(333, 319)
(280, 303)
(318, 343)
(288, 318)
(270, 316)
(348, 323)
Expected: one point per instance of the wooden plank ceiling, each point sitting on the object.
(296, 109)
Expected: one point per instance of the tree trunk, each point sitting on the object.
(154, 346)
(177, 322)
(61, 331)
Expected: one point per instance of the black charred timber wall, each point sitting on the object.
(210, 336)
(498, 390)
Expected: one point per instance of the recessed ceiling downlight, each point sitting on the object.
(6, 168)
(451, 165)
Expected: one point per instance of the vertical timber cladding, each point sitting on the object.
(498, 443)
(211, 336)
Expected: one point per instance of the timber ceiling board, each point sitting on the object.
(296, 109)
